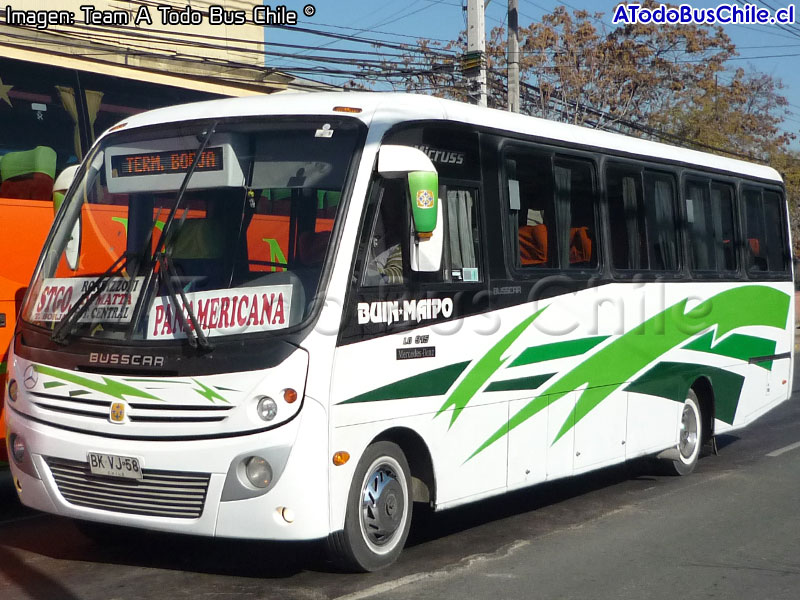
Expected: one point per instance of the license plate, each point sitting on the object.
(111, 465)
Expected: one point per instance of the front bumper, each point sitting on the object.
(300, 483)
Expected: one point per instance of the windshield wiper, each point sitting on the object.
(195, 333)
(144, 300)
(67, 323)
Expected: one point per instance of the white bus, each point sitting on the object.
(290, 318)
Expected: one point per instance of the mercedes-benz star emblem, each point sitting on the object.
(31, 377)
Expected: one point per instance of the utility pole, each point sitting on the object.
(513, 56)
(474, 67)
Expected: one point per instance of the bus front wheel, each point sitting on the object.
(690, 436)
(378, 511)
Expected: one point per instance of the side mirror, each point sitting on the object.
(60, 187)
(423, 187)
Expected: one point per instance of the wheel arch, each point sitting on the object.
(420, 462)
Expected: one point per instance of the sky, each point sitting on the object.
(768, 49)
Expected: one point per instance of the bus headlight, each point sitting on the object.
(267, 408)
(258, 471)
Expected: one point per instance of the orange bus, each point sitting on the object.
(49, 117)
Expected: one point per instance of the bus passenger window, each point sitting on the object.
(775, 226)
(626, 218)
(709, 216)
(754, 232)
(700, 226)
(662, 230)
(531, 209)
(767, 249)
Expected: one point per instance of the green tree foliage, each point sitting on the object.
(788, 164)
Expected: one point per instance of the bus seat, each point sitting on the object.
(533, 244)
(28, 175)
(580, 245)
(311, 247)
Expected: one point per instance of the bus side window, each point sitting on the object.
(766, 245)
(626, 216)
(709, 216)
(662, 230)
(700, 226)
(775, 225)
(551, 210)
(531, 208)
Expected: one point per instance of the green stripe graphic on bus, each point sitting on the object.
(522, 383)
(431, 383)
(117, 389)
(483, 370)
(742, 347)
(207, 392)
(670, 380)
(605, 371)
(557, 350)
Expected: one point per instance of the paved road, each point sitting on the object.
(731, 530)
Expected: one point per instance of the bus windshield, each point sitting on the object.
(206, 230)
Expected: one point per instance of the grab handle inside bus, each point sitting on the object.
(423, 186)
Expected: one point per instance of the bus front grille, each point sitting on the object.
(90, 409)
(157, 494)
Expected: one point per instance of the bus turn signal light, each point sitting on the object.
(341, 458)
(289, 395)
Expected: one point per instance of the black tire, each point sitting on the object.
(690, 440)
(379, 508)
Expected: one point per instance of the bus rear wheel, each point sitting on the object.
(690, 436)
(379, 508)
